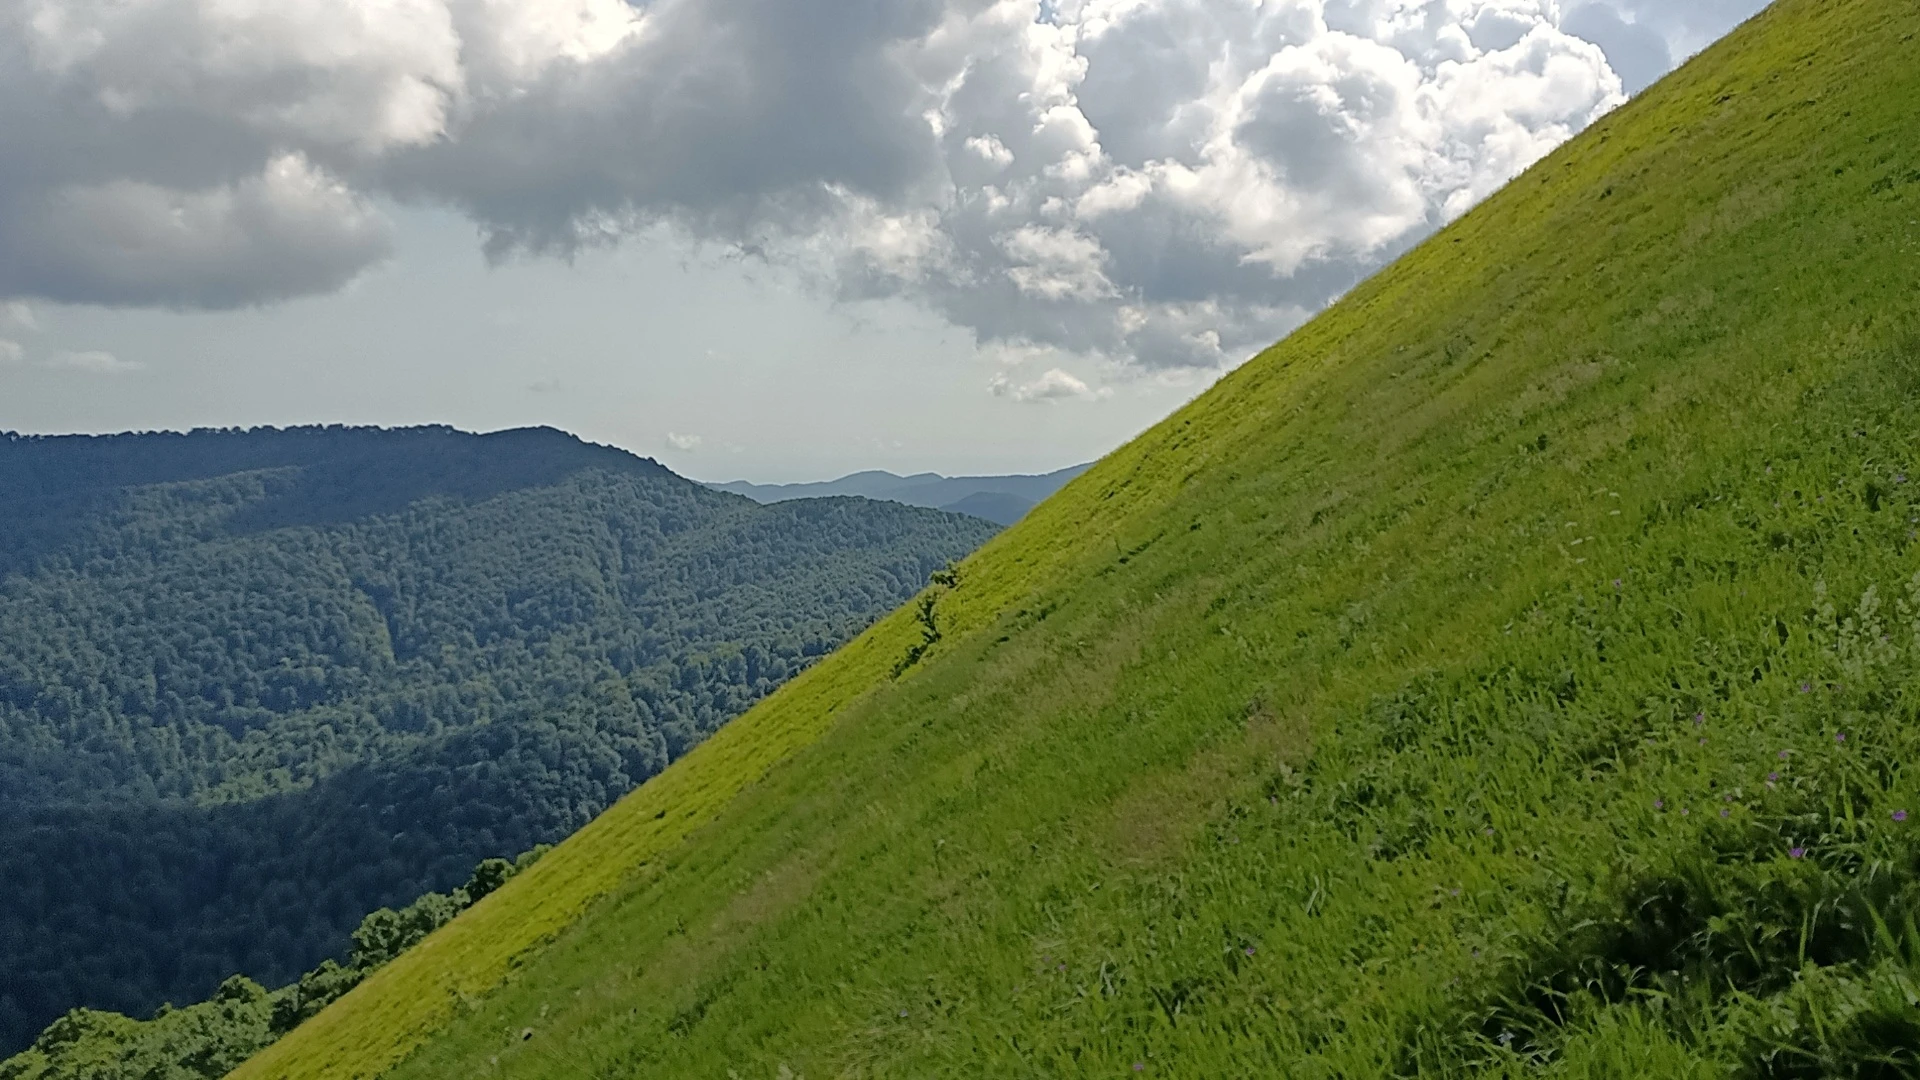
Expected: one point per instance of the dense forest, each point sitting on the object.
(256, 684)
(206, 1040)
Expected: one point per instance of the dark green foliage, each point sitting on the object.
(209, 1039)
(943, 580)
(256, 684)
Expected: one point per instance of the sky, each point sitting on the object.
(776, 240)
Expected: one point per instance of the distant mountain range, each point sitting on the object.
(1002, 499)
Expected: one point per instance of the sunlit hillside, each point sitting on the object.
(1513, 671)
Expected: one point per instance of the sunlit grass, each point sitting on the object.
(1378, 713)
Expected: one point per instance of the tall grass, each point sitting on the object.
(1511, 672)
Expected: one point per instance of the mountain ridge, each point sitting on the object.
(1012, 495)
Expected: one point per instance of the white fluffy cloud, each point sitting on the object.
(1052, 385)
(1156, 183)
(684, 443)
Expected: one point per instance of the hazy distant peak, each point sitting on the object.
(1003, 499)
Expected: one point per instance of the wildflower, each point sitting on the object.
(1489, 830)
(1726, 813)
(1899, 815)
(1684, 811)
(1699, 718)
(1249, 950)
(1659, 804)
(1840, 738)
(1772, 776)
(1797, 853)
(903, 1014)
(1806, 688)
(1783, 755)
(1616, 583)
(1139, 1066)
(1703, 740)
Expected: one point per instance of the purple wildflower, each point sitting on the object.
(1249, 950)
(1699, 718)
(1659, 804)
(1796, 853)
(1841, 737)
(1783, 755)
(1899, 815)
(1139, 1066)
(1772, 776)
(1726, 813)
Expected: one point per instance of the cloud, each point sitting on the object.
(684, 443)
(291, 230)
(11, 353)
(1634, 49)
(1687, 26)
(96, 362)
(1161, 184)
(1054, 385)
(18, 315)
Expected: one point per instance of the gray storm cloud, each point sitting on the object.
(1155, 183)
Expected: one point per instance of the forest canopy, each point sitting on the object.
(256, 684)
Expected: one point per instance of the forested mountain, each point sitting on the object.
(256, 684)
(1004, 499)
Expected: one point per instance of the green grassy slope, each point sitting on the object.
(1514, 670)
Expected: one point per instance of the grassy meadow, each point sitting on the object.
(1513, 672)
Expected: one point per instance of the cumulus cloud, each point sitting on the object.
(684, 443)
(1635, 49)
(1053, 385)
(1151, 183)
(290, 230)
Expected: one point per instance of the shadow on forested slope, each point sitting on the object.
(254, 685)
